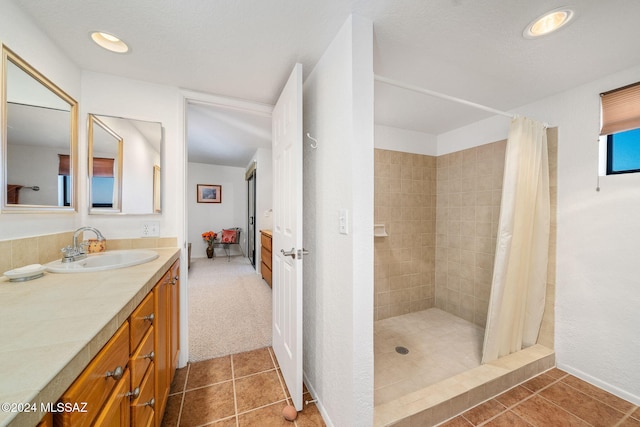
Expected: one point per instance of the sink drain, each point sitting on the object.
(402, 350)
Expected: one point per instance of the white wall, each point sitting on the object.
(139, 156)
(19, 33)
(232, 212)
(598, 286)
(109, 95)
(408, 141)
(42, 172)
(338, 273)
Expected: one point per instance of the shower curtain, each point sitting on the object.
(518, 288)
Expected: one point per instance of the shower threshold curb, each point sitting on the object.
(445, 399)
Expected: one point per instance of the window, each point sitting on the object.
(621, 128)
(623, 152)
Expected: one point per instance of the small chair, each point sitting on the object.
(228, 237)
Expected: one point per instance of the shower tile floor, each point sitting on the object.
(440, 346)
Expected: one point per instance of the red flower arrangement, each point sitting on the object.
(209, 237)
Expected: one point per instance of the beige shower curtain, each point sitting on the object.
(520, 269)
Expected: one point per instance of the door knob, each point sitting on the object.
(291, 253)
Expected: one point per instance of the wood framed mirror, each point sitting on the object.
(39, 141)
(129, 153)
(105, 167)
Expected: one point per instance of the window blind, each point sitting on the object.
(620, 109)
(102, 167)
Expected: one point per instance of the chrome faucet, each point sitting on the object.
(76, 252)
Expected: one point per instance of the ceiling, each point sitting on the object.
(472, 49)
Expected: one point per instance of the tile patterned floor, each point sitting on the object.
(244, 389)
(553, 398)
(440, 346)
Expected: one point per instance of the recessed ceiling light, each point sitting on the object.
(548, 23)
(109, 42)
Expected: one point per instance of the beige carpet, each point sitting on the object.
(229, 308)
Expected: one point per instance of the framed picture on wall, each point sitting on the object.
(208, 193)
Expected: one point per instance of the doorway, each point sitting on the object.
(251, 220)
(226, 140)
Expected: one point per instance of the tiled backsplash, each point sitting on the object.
(42, 249)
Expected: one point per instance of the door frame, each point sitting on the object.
(191, 97)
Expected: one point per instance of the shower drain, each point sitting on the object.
(402, 350)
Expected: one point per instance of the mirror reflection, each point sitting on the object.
(39, 148)
(124, 167)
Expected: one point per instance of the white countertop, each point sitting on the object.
(51, 328)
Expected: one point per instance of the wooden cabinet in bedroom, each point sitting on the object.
(266, 255)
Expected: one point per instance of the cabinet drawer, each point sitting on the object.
(265, 256)
(141, 359)
(97, 381)
(116, 411)
(266, 273)
(142, 407)
(141, 319)
(265, 241)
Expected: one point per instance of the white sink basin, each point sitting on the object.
(109, 260)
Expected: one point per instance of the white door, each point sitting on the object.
(287, 234)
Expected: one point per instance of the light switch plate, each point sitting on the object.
(343, 221)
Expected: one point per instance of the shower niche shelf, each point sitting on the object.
(379, 230)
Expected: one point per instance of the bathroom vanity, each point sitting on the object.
(97, 348)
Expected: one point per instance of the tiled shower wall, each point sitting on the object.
(469, 190)
(459, 197)
(405, 202)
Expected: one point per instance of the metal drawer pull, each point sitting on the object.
(175, 280)
(150, 317)
(149, 356)
(134, 394)
(116, 374)
(151, 403)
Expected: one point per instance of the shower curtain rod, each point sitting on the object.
(440, 95)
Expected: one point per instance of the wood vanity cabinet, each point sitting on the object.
(117, 409)
(127, 383)
(166, 303)
(266, 255)
(141, 362)
(104, 374)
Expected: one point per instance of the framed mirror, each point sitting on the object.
(125, 156)
(105, 167)
(39, 141)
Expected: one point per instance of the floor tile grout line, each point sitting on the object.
(598, 400)
(509, 408)
(207, 386)
(262, 407)
(235, 398)
(186, 377)
(627, 415)
(566, 410)
(225, 381)
(624, 416)
(556, 380)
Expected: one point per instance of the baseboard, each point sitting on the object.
(314, 395)
(601, 384)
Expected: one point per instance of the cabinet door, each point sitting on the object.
(161, 330)
(143, 406)
(97, 381)
(117, 409)
(174, 308)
